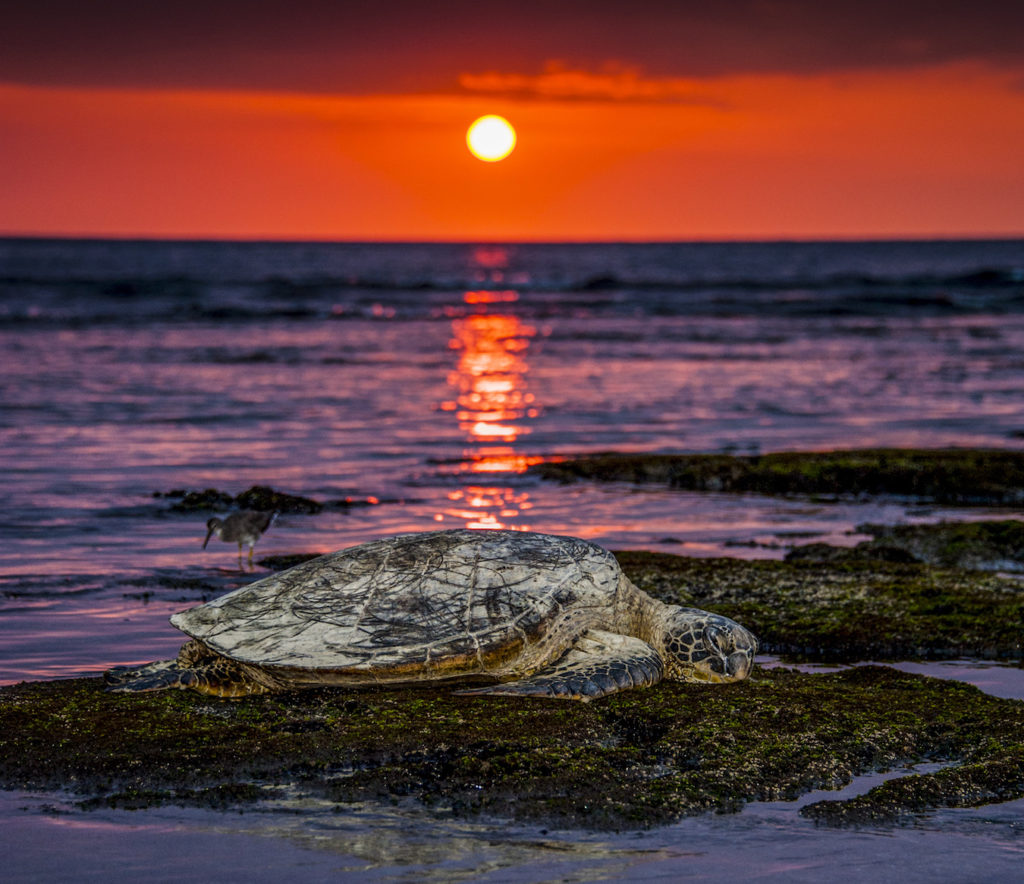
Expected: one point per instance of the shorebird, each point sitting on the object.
(244, 528)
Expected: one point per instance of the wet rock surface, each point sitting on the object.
(643, 757)
(258, 497)
(847, 610)
(964, 477)
(986, 546)
(639, 758)
(285, 560)
(993, 778)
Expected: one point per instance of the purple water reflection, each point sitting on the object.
(428, 378)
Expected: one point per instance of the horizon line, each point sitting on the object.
(710, 240)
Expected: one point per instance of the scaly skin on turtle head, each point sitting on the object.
(699, 646)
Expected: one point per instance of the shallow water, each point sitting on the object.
(998, 679)
(107, 599)
(419, 382)
(312, 842)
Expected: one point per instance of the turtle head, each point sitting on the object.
(700, 646)
(211, 526)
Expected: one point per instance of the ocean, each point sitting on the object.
(410, 387)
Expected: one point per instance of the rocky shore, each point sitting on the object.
(965, 477)
(644, 757)
(640, 758)
(635, 759)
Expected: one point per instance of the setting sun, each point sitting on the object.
(491, 138)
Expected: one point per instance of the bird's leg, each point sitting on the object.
(250, 557)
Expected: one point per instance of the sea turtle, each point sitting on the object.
(516, 613)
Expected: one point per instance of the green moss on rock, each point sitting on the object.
(986, 545)
(286, 560)
(948, 476)
(847, 610)
(639, 758)
(991, 779)
(258, 497)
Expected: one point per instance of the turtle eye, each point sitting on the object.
(717, 639)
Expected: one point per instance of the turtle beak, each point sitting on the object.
(209, 534)
(738, 665)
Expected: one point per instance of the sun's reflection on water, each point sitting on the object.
(492, 405)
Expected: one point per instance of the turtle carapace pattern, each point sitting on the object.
(504, 612)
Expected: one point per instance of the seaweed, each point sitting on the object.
(634, 759)
(847, 610)
(964, 477)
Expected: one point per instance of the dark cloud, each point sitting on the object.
(340, 46)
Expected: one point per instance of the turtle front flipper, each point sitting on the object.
(599, 663)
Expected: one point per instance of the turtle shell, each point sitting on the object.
(424, 605)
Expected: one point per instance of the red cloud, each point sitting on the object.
(614, 82)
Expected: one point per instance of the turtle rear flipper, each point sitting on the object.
(218, 678)
(599, 663)
(153, 677)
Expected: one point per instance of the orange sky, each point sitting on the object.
(609, 148)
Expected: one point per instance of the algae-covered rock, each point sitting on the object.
(994, 777)
(868, 551)
(258, 497)
(637, 758)
(987, 545)
(948, 476)
(982, 546)
(197, 501)
(286, 560)
(853, 609)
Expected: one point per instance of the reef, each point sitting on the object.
(258, 497)
(635, 759)
(644, 757)
(964, 477)
(985, 546)
(847, 610)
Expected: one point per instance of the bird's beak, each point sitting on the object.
(209, 534)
